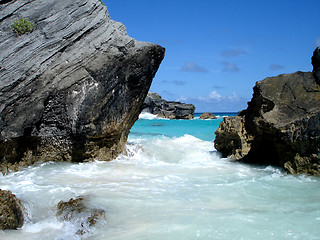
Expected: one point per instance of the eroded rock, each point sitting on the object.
(207, 115)
(281, 125)
(71, 89)
(11, 211)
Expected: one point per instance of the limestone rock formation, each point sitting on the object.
(207, 115)
(73, 86)
(154, 104)
(281, 125)
(77, 212)
(11, 214)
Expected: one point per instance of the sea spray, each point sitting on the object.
(169, 187)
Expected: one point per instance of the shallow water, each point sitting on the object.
(169, 186)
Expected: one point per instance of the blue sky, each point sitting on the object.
(216, 50)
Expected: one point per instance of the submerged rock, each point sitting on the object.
(281, 125)
(207, 115)
(71, 88)
(75, 211)
(11, 214)
(154, 104)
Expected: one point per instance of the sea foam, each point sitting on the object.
(146, 115)
(167, 187)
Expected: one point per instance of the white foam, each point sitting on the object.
(182, 152)
(43, 225)
(148, 116)
(160, 185)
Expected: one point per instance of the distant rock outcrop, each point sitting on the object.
(72, 87)
(207, 115)
(154, 104)
(281, 125)
(11, 214)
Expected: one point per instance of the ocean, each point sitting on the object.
(171, 184)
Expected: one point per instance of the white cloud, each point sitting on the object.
(234, 97)
(318, 41)
(203, 99)
(215, 95)
(182, 99)
(216, 102)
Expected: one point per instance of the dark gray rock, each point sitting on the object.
(76, 211)
(316, 64)
(281, 125)
(72, 88)
(154, 104)
(207, 115)
(11, 211)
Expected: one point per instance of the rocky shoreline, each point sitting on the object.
(72, 83)
(281, 125)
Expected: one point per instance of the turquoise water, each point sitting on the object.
(148, 127)
(171, 184)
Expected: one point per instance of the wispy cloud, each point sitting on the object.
(318, 41)
(215, 95)
(215, 101)
(182, 99)
(165, 94)
(233, 52)
(230, 67)
(178, 82)
(165, 81)
(218, 87)
(275, 67)
(233, 98)
(175, 82)
(193, 67)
